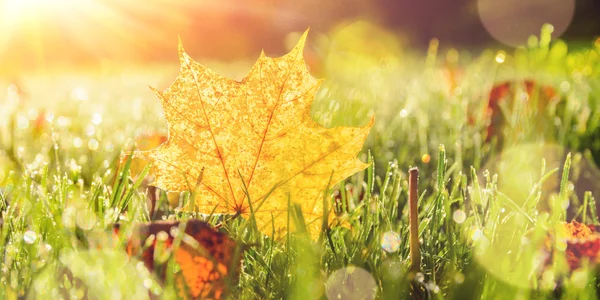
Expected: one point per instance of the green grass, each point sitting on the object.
(61, 189)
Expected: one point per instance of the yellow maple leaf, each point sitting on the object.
(228, 137)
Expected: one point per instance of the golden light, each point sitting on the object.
(46, 32)
(23, 11)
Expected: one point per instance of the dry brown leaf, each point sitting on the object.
(205, 256)
(259, 128)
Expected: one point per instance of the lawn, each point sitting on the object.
(498, 180)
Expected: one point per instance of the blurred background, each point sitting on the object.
(40, 35)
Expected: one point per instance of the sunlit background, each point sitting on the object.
(74, 77)
(49, 34)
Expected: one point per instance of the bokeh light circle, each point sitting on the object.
(390, 241)
(351, 283)
(513, 244)
(512, 22)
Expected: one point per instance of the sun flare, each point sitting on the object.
(18, 11)
(38, 30)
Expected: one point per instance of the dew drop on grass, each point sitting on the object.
(93, 144)
(96, 118)
(63, 121)
(148, 283)
(29, 237)
(49, 117)
(459, 216)
(390, 241)
(77, 142)
(162, 236)
(500, 57)
(90, 130)
(403, 113)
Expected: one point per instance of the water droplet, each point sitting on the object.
(63, 121)
(49, 116)
(77, 142)
(96, 118)
(390, 241)
(93, 144)
(403, 113)
(500, 57)
(29, 237)
(90, 130)
(459, 216)
(147, 283)
(73, 167)
(162, 236)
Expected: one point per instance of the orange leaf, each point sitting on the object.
(205, 256)
(257, 133)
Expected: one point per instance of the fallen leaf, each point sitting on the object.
(254, 141)
(583, 244)
(506, 93)
(205, 256)
(580, 244)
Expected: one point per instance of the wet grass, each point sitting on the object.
(481, 234)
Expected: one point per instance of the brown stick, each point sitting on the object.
(413, 197)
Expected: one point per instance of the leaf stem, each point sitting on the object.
(413, 195)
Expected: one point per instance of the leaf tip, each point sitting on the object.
(371, 122)
(302, 42)
(183, 57)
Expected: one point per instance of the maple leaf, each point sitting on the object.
(253, 141)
